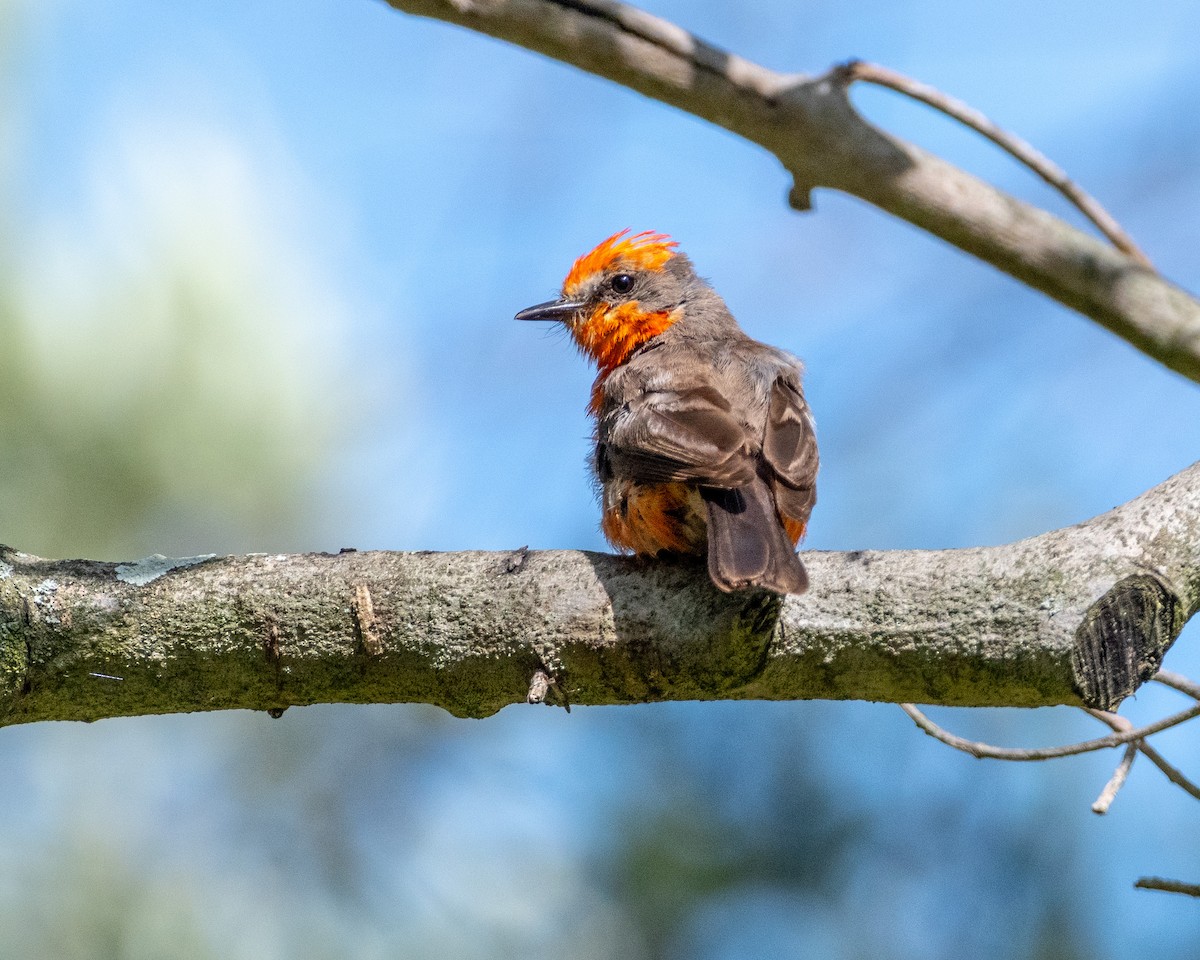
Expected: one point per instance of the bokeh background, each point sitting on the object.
(257, 268)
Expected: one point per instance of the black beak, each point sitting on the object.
(551, 310)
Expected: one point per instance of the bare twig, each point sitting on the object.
(1177, 681)
(1021, 754)
(1114, 785)
(1171, 772)
(1124, 732)
(1169, 886)
(1011, 144)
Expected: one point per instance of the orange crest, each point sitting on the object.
(643, 251)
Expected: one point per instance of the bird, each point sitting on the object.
(704, 442)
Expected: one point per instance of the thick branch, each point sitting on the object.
(811, 126)
(1079, 615)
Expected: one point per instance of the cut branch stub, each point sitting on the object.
(1122, 640)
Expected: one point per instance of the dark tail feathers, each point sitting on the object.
(747, 547)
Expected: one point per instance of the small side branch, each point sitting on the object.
(1020, 754)
(1124, 732)
(1168, 886)
(1171, 772)
(1117, 781)
(1011, 144)
(1178, 682)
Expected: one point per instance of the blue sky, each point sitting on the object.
(375, 195)
(432, 182)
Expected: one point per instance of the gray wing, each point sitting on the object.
(684, 435)
(790, 448)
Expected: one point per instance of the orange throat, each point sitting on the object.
(611, 334)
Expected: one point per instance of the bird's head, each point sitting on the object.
(628, 290)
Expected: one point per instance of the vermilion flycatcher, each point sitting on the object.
(704, 441)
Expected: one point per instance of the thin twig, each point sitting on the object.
(1177, 681)
(987, 751)
(1171, 772)
(1024, 152)
(1109, 793)
(1125, 733)
(1170, 886)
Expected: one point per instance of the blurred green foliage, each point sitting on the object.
(85, 900)
(162, 352)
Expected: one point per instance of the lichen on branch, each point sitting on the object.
(1081, 615)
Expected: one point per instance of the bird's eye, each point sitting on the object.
(622, 283)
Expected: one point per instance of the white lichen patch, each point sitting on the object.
(149, 569)
(6, 570)
(43, 599)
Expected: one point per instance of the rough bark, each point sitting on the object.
(810, 124)
(1078, 615)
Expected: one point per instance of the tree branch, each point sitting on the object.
(818, 136)
(986, 751)
(1081, 615)
(1172, 773)
(1124, 732)
(1014, 146)
(1177, 682)
(1116, 781)
(1168, 886)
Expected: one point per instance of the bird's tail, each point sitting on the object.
(747, 546)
